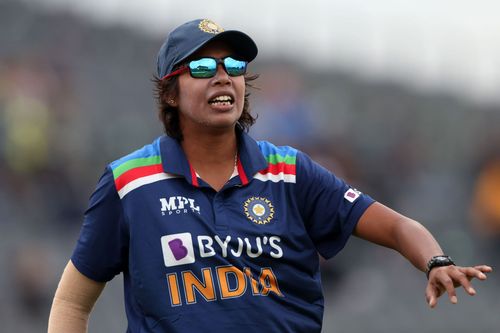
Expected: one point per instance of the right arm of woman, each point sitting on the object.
(75, 296)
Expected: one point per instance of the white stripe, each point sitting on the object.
(144, 181)
(275, 178)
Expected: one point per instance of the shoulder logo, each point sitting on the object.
(259, 210)
(352, 194)
(210, 27)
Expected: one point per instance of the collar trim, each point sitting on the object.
(241, 172)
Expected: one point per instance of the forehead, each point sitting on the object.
(217, 49)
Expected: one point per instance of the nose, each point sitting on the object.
(221, 77)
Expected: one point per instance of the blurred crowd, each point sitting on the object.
(74, 97)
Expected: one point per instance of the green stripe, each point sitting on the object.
(273, 159)
(135, 163)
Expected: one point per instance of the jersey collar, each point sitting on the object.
(250, 159)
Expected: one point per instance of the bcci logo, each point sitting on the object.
(210, 27)
(259, 210)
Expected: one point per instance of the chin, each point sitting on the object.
(224, 119)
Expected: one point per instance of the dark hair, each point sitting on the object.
(169, 115)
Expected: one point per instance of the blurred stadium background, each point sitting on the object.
(401, 99)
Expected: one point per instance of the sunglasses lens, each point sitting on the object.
(235, 67)
(202, 68)
(207, 67)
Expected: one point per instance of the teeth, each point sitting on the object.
(221, 99)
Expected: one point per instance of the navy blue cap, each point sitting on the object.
(186, 39)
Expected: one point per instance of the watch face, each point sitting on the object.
(440, 261)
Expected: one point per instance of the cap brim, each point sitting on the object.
(240, 42)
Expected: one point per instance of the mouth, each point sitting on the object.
(222, 100)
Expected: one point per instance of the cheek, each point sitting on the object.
(240, 89)
(189, 93)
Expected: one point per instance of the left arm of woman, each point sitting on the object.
(384, 226)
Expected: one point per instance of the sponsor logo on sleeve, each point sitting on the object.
(352, 194)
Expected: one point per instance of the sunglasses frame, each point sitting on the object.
(185, 67)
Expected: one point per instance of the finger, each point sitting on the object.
(461, 279)
(484, 268)
(432, 302)
(430, 296)
(432, 293)
(473, 272)
(447, 283)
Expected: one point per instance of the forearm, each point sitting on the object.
(386, 227)
(415, 243)
(66, 317)
(75, 296)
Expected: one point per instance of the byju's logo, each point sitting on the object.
(351, 195)
(177, 249)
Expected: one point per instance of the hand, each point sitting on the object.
(447, 278)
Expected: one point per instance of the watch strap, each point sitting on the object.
(438, 261)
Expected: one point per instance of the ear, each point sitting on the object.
(171, 101)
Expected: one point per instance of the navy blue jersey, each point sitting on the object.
(196, 260)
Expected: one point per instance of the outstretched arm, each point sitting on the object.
(382, 225)
(75, 296)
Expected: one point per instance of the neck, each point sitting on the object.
(212, 156)
(210, 148)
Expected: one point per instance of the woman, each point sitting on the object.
(216, 232)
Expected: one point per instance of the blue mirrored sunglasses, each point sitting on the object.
(206, 67)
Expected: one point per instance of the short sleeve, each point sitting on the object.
(330, 207)
(102, 248)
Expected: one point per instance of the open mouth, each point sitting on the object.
(221, 100)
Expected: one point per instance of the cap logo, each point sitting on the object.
(210, 27)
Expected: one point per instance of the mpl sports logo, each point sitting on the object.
(178, 205)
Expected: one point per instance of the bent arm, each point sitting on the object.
(75, 296)
(381, 225)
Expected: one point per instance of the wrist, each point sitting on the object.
(438, 261)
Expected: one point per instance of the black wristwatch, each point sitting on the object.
(438, 261)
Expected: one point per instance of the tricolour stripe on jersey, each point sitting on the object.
(276, 158)
(135, 163)
(136, 173)
(139, 168)
(138, 182)
(275, 178)
(277, 172)
(278, 168)
(281, 163)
